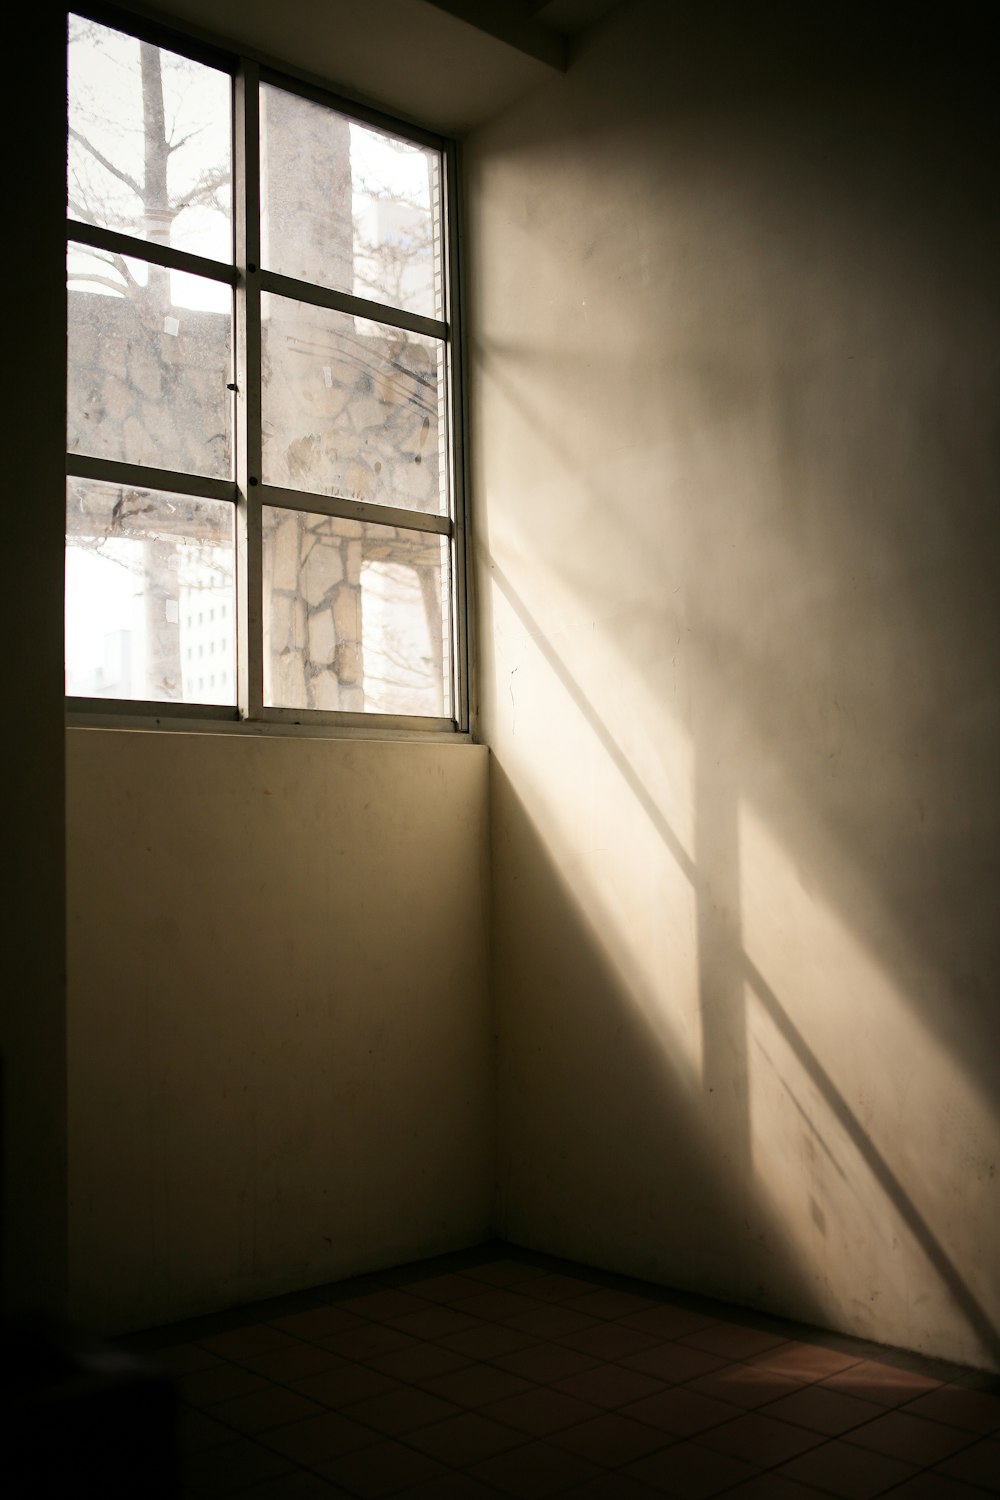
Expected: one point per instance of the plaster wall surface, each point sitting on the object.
(280, 1064)
(734, 393)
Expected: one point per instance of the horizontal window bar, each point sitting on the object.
(149, 250)
(134, 709)
(179, 718)
(79, 466)
(360, 307)
(354, 510)
(355, 720)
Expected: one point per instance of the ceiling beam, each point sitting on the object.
(511, 23)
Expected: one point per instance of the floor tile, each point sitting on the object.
(298, 1485)
(610, 1486)
(848, 1471)
(609, 1340)
(535, 1470)
(317, 1323)
(609, 1385)
(541, 1410)
(804, 1362)
(401, 1410)
(824, 1410)
(772, 1487)
(476, 1385)
(450, 1487)
(196, 1430)
(486, 1340)
(760, 1440)
(889, 1385)
(976, 1411)
(495, 1304)
(504, 1272)
(681, 1411)
(551, 1320)
(465, 1439)
(917, 1440)
(293, 1362)
(451, 1288)
(344, 1385)
(978, 1464)
(674, 1362)
(229, 1467)
(379, 1306)
(260, 1410)
(256, 1338)
(612, 1440)
(419, 1361)
(668, 1322)
(609, 1304)
(318, 1438)
(205, 1387)
(555, 1288)
(182, 1359)
(745, 1385)
(930, 1485)
(382, 1469)
(690, 1472)
(732, 1340)
(544, 1362)
(366, 1341)
(432, 1322)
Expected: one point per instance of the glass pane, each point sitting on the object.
(353, 408)
(149, 141)
(150, 595)
(348, 207)
(356, 616)
(147, 366)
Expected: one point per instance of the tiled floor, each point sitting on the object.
(499, 1372)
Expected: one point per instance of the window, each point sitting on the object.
(262, 408)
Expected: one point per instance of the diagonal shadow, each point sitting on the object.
(965, 1300)
(976, 1316)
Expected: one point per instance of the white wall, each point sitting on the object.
(734, 396)
(279, 1040)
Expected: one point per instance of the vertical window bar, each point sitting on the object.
(461, 562)
(248, 398)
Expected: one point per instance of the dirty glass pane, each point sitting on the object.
(356, 616)
(146, 370)
(348, 207)
(150, 595)
(353, 408)
(149, 150)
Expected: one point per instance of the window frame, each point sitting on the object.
(246, 491)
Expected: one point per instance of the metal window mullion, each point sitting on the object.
(151, 251)
(143, 477)
(355, 510)
(458, 473)
(359, 307)
(354, 720)
(250, 580)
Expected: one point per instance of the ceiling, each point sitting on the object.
(447, 64)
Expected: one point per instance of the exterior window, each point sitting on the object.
(262, 405)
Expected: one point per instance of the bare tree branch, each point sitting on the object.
(109, 166)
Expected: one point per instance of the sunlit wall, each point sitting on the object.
(734, 367)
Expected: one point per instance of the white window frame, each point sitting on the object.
(246, 491)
